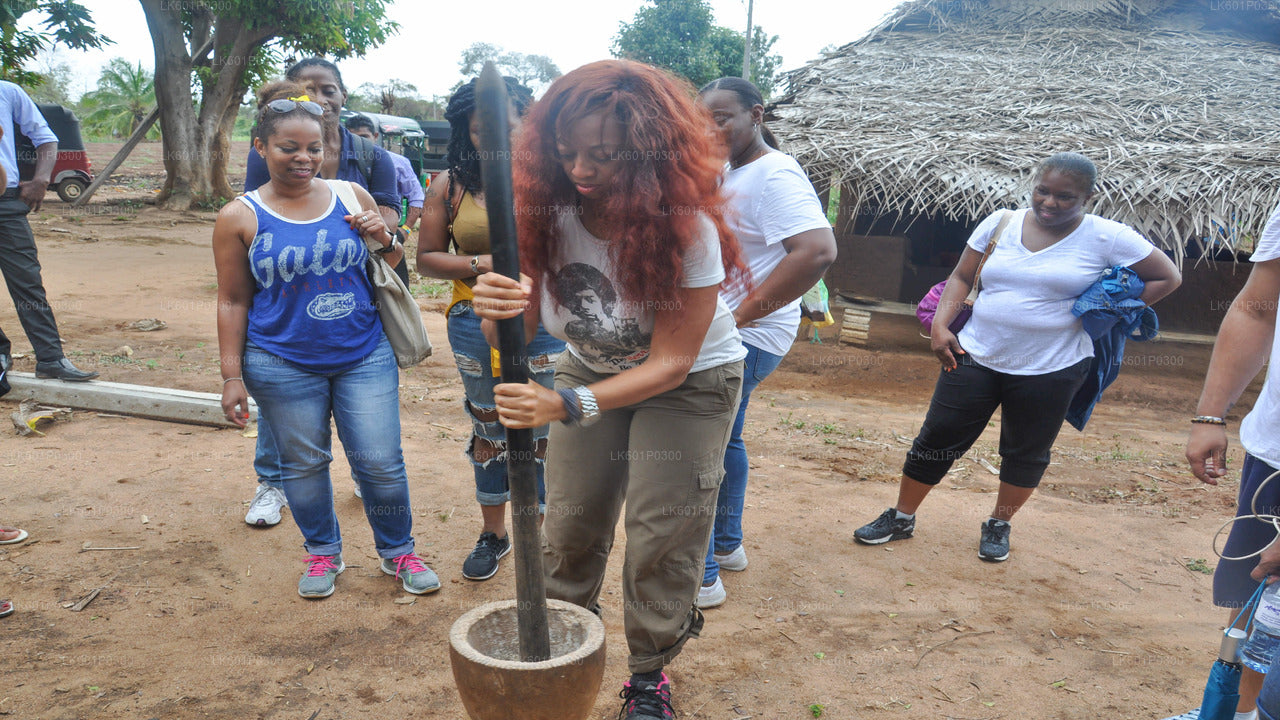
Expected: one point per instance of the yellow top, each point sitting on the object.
(471, 235)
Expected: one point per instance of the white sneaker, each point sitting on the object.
(357, 491)
(264, 509)
(735, 561)
(713, 596)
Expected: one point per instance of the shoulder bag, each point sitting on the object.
(928, 306)
(401, 317)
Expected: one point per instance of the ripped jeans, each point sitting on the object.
(487, 449)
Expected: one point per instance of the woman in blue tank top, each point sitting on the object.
(298, 329)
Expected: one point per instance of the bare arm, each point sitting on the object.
(809, 254)
(959, 283)
(434, 258)
(678, 334)
(232, 235)
(1240, 351)
(375, 227)
(1159, 275)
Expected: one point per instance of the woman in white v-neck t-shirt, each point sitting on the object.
(1022, 350)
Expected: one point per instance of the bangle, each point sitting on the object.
(224, 382)
(1208, 420)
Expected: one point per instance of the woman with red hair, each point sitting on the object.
(622, 236)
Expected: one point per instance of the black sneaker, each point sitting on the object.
(646, 700)
(482, 563)
(885, 528)
(994, 545)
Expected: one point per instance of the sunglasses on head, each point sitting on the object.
(284, 105)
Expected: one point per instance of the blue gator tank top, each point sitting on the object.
(313, 305)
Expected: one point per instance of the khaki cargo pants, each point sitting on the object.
(665, 457)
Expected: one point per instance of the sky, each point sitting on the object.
(571, 32)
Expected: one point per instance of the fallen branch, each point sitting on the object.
(948, 642)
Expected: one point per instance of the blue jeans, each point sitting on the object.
(1269, 698)
(471, 352)
(727, 535)
(364, 403)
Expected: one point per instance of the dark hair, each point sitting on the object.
(576, 278)
(1075, 164)
(461, 157)
(268, 118)
(296, 69)
(360, 120)
(748, 94)
(664, 194)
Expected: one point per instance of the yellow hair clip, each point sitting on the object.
(301, 98)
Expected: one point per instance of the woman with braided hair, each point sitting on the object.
(456, 220)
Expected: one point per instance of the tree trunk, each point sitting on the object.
(196, 144)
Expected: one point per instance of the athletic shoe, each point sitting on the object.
(735, 561)
(712, 595)
(646, 700)
(885, 528)
(482, 563)
(994, 545)
(357, 491)
(415, 576)
(264, 509)
(322, 570)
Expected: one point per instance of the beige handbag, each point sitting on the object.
(401, 317)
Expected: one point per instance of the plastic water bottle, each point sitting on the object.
(1265, 637)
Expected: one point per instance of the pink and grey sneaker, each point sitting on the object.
(415, 576)
(322, 570)
(646, 699)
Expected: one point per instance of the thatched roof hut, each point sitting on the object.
(944, 109)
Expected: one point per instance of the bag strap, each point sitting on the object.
(986, 254)
(347, 196)
(451, 210)
(1254, 602)
(365, 151)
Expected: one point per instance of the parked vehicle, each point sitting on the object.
(72, 171)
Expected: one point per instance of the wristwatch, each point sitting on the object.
(475, 264)
(389, 247)
(587, 401)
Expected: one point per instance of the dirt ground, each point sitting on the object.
(1103, 609)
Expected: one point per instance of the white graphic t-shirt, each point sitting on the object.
(610, 333)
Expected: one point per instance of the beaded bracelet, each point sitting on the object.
(573, 411)
(1208, 420)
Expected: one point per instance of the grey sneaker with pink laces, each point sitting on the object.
(415, 576)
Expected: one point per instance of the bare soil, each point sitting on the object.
(1100, 611)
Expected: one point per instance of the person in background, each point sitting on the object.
(455, 218)
(298, 329)
(8, 535)
(788, 244)
(618, 180)
(347, 157)
(1246, 341)
(1022, 350)
(18, 259)
(406, 180)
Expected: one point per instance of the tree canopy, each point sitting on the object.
(66, 22)
(531, 70)
(681, 36)
(125, 96)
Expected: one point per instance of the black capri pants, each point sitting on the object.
(1033, 408)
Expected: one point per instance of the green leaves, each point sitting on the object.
(681, 36)
(67, 21)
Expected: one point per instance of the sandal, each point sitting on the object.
(21, 535)
(6, 608)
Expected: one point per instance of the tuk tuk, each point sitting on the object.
(437, 146)
(72, 171)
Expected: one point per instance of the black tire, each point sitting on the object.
(71, 189)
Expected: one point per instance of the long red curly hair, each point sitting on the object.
(659, 197)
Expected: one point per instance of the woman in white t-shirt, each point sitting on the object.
(1022, 350)
(787, 242)
(1246, 340)
(622, 235)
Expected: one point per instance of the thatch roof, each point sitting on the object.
(948, 105)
